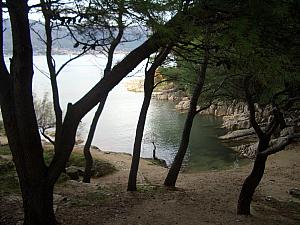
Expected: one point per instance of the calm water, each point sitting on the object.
(116, 127)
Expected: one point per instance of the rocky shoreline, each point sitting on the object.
(240, 135)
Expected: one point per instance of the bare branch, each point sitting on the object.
(42, 72)
(70, 60)
(47, 137)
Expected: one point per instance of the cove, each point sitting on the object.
(164, 124)
(116, 128)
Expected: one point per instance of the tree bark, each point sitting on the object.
(172, 176)
(148, 89)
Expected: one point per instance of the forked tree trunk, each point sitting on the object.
(86, 150)
(250, 184)
(172, 176)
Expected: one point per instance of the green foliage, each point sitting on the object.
(100, 167)
(260, 43)
(9, 182)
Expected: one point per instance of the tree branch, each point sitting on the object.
(282, 143)
(47, 137)
(71, 59)
(256, 127)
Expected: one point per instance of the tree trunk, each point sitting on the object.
(38, 205)
(138, 141)
(148, 89)
(185, 137)
(86, 150)
(250, 184)
(21, 125)
(253, 180)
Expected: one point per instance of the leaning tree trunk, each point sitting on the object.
(86, 150)
(172, 176)
(250, 184)
(148, 89)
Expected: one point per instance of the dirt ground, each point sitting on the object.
(200, 198)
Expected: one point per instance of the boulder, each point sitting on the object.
(295, 192)
(183, 105)
(74, 172)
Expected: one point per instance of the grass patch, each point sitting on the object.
(156, 162)
(9, 182)
(90, 198)
(4, 150)
(100, 167)
(149, 189)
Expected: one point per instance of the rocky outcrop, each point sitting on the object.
(236, 114)
(171, 94)
(238, 134)
(135, 85)
(184, 104)
(249, 150)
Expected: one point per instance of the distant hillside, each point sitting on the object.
(65, 44)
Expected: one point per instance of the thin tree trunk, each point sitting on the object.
(46, 9)
(250, 184)
(148, 89)
(86, 150)
(137, 143)
(172, 176)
